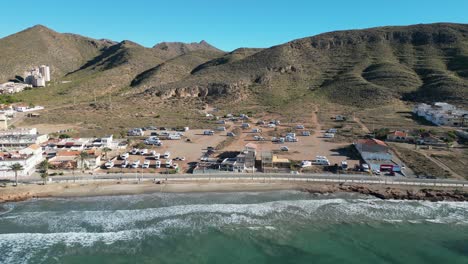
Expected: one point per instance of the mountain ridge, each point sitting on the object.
(363, 67)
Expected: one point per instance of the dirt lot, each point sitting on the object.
(178, 148)
(307, 147)
(421, 164)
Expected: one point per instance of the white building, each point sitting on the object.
(45, 72)
(37, 76)
(28, 158)
(442, 114)
(3, 122)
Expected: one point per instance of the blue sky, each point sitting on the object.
(227, 24)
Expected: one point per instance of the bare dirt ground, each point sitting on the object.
(51, 128)
(307, 147)
(191, 151)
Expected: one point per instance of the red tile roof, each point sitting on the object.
(372, 141)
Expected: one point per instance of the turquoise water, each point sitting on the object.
(271, 227)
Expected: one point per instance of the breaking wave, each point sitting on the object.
(38, 230)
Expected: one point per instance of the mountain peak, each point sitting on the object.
(39, 28)
(175, 49)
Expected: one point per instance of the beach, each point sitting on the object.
(90, 188)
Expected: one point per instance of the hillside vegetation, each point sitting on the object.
(358, 68)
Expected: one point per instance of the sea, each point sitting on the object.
(242, 227)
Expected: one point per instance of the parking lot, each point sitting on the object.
(190, 150)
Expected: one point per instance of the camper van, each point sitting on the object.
(146, 164)
(208, 132)
(158, 164)
(166, 155)
(143, 151)
(109, 164)
(168, 163)
(135, 164)
(124, 156)
(124, 164)
(321, 160)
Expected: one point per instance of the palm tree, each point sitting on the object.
(82, 157)
(106, 150)
(44, 176)
(16, 167)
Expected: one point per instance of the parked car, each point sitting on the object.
(166, 155)
(284, 148)
(124, 156)
(124, 164)
(175, 166)
(157, 164)
(180, 158)
(230, 134)
(376, 172)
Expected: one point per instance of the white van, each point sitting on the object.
(168, 163)
(158, 164)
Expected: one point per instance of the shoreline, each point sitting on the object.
(70, 190)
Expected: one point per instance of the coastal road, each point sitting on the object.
(258, 177)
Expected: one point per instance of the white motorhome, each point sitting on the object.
(135, 164)
(146, 164)
(124, 156)
(157, 164)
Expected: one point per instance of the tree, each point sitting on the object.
(106, 150)
(16, 167)
(44, 176)
(44, 166)
(82, 158)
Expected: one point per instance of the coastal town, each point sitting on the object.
(239, 144)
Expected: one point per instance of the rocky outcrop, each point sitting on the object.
(211, 89)
(387, 193)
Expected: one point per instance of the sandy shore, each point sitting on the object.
(25, 192)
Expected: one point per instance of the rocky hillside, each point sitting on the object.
(40, 45)
(174, 49)
(355, 67)
(360, 68)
